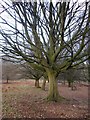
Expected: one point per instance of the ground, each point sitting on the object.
(20, 99)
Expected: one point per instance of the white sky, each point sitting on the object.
(46, 0)
(6, 15)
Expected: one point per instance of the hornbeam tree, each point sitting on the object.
(53, 38)
(31, 73)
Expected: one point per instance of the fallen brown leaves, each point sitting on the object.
(23, 100)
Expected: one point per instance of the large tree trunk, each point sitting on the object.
(53, 94)
(37, 84)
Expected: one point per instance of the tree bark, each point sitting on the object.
(53, 94)
(37, 84)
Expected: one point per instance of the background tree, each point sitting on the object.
(53, 38)
(30, 73)
(10, 71)
(78, 74)
(45, 79)
(70, 77)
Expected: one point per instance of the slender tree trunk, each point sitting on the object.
(37, 84)
(53, 93)
(69, 84)
(43, 84)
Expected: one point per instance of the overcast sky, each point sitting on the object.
(46, 0)
(6, 15)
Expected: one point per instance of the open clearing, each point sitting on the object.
(22, 100)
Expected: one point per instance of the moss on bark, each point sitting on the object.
(53, 94)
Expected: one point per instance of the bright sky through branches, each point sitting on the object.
(45, 0)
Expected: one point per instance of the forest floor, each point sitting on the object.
(20, 99)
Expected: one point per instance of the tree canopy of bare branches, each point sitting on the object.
(50, 37)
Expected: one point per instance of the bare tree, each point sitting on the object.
(31, 73)
(10, 71)
(52, 39)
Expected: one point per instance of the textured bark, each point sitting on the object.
(53, 94)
